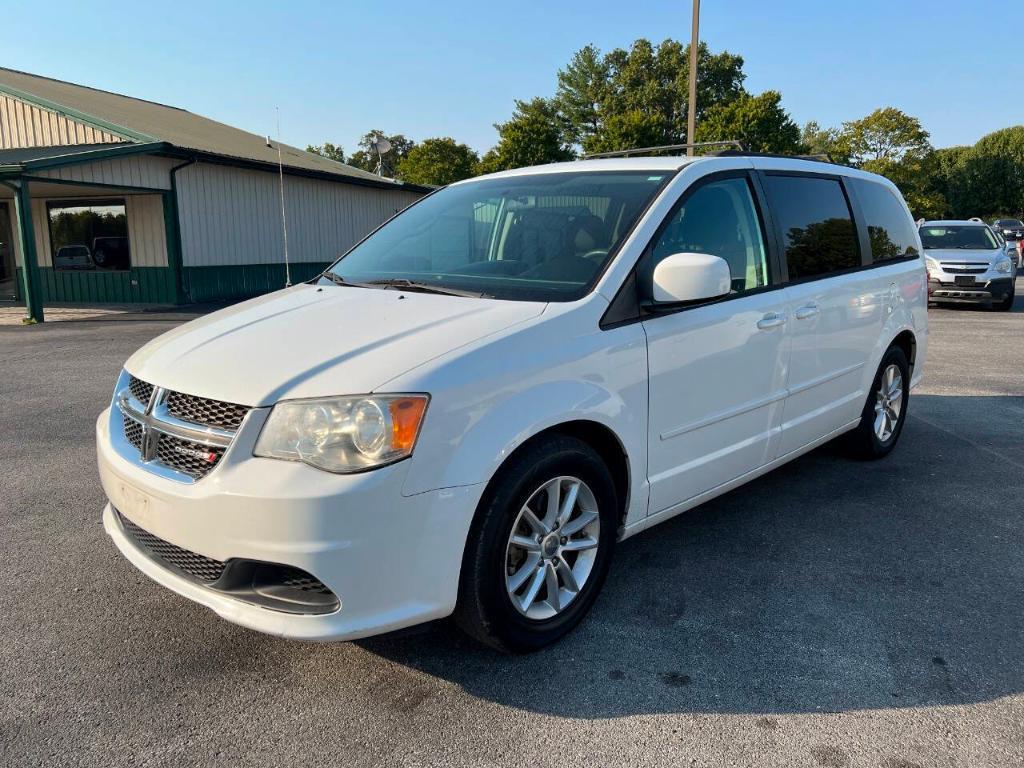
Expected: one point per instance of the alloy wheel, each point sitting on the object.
(552, 548)
(888, 402)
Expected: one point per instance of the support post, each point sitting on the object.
(691, 116)
(30, 262)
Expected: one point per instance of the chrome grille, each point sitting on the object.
(180, 436)
(965, 268)
(132, 431)
(204, 569)
(140, 390)
(184, 455)
(202, 410)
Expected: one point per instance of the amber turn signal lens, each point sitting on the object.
(406, 417)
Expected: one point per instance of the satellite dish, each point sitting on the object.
(382, 146)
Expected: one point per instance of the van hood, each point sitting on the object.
(310, 341)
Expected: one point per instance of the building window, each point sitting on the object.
(89, 235)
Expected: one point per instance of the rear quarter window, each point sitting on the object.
(814, 219)
(890, 230)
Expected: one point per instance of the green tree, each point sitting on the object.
(640, 93)
(366, 156)
(993, 174)
(438, 161)
(945, 178)
(890, 143)
(816, 140)
(759, 122)
(582, 87)
(886, 134)
(911, 175)
(627, 129)
(533, 136)
(328, 150)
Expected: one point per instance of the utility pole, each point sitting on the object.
(691, 117)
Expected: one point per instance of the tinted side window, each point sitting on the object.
(890, 229)
(719, 218)
(817, 229)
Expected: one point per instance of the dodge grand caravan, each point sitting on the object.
(465, 413)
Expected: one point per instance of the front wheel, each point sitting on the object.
(885, 410)
(1007, 303)
(540, 547)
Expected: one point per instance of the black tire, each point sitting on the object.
(1006, 304)
(484, 609)
(863, 441)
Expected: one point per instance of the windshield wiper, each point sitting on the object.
(339, 280)
(404, 284)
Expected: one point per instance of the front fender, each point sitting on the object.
(471, 428)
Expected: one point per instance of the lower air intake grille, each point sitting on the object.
(204, 569)
(305, 583)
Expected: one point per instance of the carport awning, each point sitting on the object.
(28, 154)
(14, 161)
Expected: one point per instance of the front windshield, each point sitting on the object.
(539, 237)
(969, 238)
(1009, 223)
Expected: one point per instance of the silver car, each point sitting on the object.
(967, 263)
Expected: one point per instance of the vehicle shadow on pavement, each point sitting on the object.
(827, 585)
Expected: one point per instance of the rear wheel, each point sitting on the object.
(540, 547)
(885, 410)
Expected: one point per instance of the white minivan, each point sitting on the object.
(466, 412)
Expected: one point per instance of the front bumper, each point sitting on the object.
(392, 560)
(942, 287)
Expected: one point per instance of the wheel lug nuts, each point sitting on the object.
(563, 540)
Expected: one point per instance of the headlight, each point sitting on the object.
(931, 264)
(1004, 266)
(343, 434)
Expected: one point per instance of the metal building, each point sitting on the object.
(109, 198)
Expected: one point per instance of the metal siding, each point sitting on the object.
(134, 171)
(26, 125)
(232, 216)
(146, 236)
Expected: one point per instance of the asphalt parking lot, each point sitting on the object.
(832, 613)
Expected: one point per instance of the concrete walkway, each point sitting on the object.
(13, 314)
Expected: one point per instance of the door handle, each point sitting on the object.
(771, 320)
(807, 311)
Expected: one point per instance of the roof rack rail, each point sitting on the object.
(820, 156)
(665, 148)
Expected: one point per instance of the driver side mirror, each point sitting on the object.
(688, 277)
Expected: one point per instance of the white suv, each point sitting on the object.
(967, 264)
(467, 411)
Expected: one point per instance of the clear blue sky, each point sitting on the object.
(442, 68)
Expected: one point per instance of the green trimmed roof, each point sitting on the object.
(29, 154)
(146, 121)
